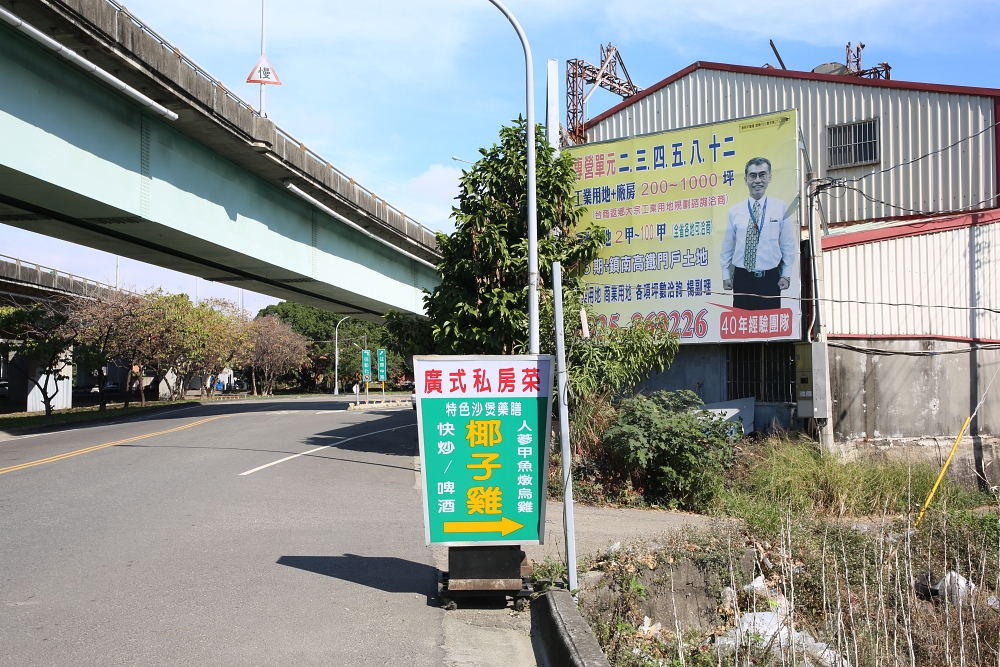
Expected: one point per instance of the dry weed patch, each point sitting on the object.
(817, 592)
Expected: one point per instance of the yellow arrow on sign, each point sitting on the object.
(504, 526)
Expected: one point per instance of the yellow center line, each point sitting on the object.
(86, 450)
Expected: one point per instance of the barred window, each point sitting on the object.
(853, 144)
(764, 371)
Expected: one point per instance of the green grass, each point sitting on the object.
(780, 474)
(23, 420)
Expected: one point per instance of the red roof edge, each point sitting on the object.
(916, 228)
(790, 74)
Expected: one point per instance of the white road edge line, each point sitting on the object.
(295, 456)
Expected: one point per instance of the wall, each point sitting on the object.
(902, 403)
(698, 368)
(916, 284)
(702, 369)
(63, 400)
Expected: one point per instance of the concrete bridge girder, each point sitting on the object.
(86, 165)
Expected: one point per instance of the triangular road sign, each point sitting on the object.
(264, 73)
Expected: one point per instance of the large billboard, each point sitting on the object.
(702, 227)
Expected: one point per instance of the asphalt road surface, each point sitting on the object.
(284, 532)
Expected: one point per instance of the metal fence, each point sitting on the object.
(763, 371)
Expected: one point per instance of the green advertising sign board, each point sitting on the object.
(366, 365)
(381, 355)
(484, 440)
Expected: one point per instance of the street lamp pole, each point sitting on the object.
(532, 203)
(336, 357)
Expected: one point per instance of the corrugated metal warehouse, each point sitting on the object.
(908, 270)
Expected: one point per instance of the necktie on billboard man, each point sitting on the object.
(484, 439)
(689, 238)
(753, 236)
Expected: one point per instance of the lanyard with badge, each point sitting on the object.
(763, 217)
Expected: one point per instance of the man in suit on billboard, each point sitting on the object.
(759, 249)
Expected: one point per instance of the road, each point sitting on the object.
(283, 532)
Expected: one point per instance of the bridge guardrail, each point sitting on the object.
(32, 273)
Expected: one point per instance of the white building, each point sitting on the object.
(909, 267)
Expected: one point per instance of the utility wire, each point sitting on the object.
(844, 183)
(926, 155)
(875, 200)
(909, 353)
(892, 304)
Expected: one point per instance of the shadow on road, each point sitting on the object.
(401, 440)
(392, 575)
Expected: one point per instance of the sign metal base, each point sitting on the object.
(487, 571)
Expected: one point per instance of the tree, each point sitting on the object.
(274, 349)
(319, 326)
(171, 339)
(136, 342)
(481, 305)
(222, 334)
(44, 335)
(614, 359)
(102, 324)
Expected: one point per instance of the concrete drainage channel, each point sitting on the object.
(566, 638)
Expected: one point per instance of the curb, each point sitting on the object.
(380, 405)
(96, 421)
(566, 638)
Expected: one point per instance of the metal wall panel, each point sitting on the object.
(912, 124)
(928, 285)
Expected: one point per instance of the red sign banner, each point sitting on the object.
(737, 324)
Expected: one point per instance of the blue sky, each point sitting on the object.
(389, 90)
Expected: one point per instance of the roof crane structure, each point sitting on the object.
(854, 68)
(580, 73)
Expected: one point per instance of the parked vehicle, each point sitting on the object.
(112, 387)
(4, 390)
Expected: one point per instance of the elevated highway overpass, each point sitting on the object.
(114, 139)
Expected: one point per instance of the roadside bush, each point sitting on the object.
(670, 450)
